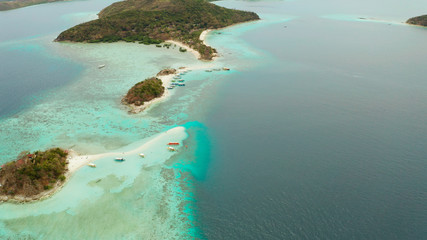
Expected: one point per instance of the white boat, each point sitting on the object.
(171, 149)
(91, 165)
(142, 155)
(119, 159)
(101, 66)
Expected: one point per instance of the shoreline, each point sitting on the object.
(76, 161)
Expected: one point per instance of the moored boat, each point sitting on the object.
(119, 159)
(101, 66)
(91, 165)
(171, 149)
(225, 69)
(173, 143)
(142, 155)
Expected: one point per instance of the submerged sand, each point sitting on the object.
(156, 146)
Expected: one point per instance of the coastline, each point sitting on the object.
(76, 161)
(167, 79)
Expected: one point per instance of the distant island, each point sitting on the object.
(8, 5)
(33, 175)
(420, 21)
(155, 21)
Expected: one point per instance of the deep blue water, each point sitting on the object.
(28, 68)
(327, 139)
(26, 72)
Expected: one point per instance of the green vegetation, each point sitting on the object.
(420, 20)
(8, 5)
(144, 91)
(181, 49)
(33, 173)
(155, 21)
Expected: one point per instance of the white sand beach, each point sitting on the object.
(156, 145)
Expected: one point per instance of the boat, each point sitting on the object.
(181, 84)
(217, 69)
(181, 80)
(101, 66)
(119, 159)
(142, 155)
(171, 149)
(208, 70)
(173, 81)
(170, 87)
(91, 165)
(173, 143)
(225, 69)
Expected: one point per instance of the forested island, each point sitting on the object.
(155, 21)
(8, 5)
(144, 91)
(420, 21)
(33, 174)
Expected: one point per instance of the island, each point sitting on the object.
(9, 5)
(420, 21)
(33, 175)
(155, 21)
(144, 91)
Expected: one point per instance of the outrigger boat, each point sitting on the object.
(173, 143)
(119, 159)
(91, 165)
(181, 84)
(225, 69)
(181, 80)
(170, 87)
(171, 149)
(142, 155)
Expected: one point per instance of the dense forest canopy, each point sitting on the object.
(33, 173)
(420, 20)
(144, 91)
(154, 21)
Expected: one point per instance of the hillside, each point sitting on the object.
(154, 21)
(33, 173)
(420, 20)
(8, 5)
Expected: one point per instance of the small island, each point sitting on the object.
(156, 21)
(9, 5)
(34, 175)
(419, 21)
(144, 91)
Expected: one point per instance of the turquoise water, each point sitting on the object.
(317, 132)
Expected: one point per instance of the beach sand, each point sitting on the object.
(154, 148)
(176, 134)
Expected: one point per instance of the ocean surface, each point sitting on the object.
(318, 131)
